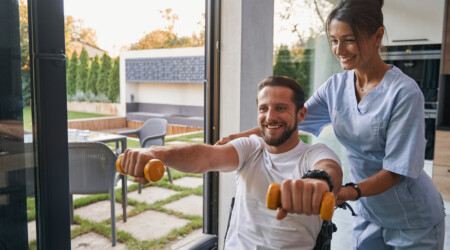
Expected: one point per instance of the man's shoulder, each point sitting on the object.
(321, 151)
(314, 147)
(253, 141)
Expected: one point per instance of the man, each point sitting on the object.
(279, 156)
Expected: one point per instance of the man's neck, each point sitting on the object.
(285, 147)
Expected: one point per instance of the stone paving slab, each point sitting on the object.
(190, 205)
(100, 211)
(151, 194)
(94, 241)
(185, 240)
(190, 182)
(150, 225)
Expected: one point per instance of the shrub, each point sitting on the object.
(114, 82)
(103, 76)
(91, 85)
(82, 71)
(71, 75)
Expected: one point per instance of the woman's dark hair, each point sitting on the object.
(298, 96)
(363, 16)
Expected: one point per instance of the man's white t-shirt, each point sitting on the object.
(252, 225)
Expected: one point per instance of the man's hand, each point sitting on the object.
(134, 160)
(302, 196)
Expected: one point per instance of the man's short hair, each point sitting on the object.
(298, 95)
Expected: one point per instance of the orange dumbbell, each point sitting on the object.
(273, 201)
(153, 170)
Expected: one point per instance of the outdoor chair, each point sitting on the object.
(151, 133)
(92, 170)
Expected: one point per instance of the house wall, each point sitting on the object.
(159, 92)
(166, 93)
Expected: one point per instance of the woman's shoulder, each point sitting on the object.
(400, 82)
(338, 81)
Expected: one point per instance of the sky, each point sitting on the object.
(123, 22)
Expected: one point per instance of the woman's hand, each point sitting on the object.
(224, 140)
(227, 139)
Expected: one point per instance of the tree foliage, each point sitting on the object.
(71, 74)
(24, 52)
(114, 82)
(91, 85)
(298, 67)
(82, 71)
(75, 31)
(316, 11)
(284, 65)
(103, 75)
(167, 38)
(303, 71)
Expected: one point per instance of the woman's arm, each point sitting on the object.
(376, 184)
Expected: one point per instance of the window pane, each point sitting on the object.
(141, 61)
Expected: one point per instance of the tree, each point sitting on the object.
(75, 31)
(103, 75)
(91, 85)
(71, 75)
(303, 71)
(283, 64)
(82, 71)
(167, 38)
(24, 52)
(316, 11)
(114, 82)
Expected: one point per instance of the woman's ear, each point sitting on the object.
(301, 114)
(379, 35)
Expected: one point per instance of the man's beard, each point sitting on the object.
(281, 139)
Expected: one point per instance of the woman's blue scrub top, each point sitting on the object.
(385, 130)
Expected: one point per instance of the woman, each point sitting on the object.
(377, 113)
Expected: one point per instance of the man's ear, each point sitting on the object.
(301, 114)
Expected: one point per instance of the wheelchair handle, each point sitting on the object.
(153, 170)
(273, 201)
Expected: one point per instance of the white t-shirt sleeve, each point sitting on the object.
(319, 152)
(246, 147)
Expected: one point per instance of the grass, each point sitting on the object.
(27, 120)
(187, 138)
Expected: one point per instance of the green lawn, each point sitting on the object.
(70, 116)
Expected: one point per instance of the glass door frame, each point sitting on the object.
(49, 109)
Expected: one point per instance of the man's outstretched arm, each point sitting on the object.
(193, 158)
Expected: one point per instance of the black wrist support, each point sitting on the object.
(319, 174)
